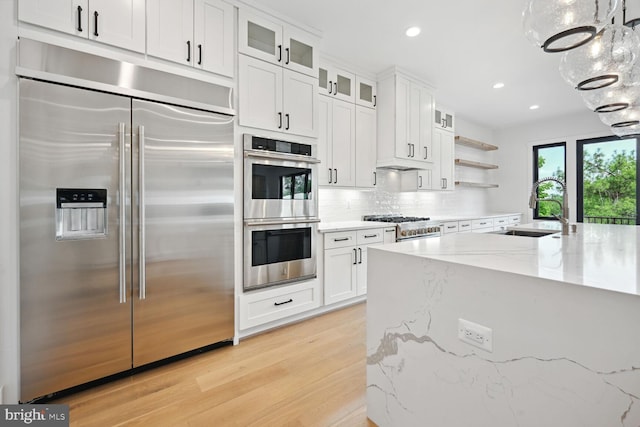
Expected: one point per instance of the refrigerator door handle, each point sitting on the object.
(123, 201)
(141, 225)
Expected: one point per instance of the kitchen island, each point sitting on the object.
(554, 335)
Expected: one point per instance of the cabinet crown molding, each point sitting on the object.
(395, 70)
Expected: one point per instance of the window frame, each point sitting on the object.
(536, 149)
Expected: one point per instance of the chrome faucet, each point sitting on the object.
(533, 200)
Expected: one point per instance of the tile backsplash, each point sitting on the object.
(337, 204)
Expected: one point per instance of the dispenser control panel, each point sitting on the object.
(81, 213)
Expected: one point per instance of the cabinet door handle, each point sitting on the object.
(79, 19)
(370, 236)
(287, 117)
(330, 176)
(413, 150)
(279, 53)
(335, 181)
(419, 181)
(375, 178)
(375, 100)
(426, 152)
(280, 120)
(335, 88)
(342, 239)
(200, 54)
(288, 56)
(188, 50)
(409, 145)
(330, 87)
(360, 252)
(355, 257)
(283, 302)
(391, 230)
(95, 23)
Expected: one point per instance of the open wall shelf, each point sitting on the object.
(468, 142)
(475, 184)
(477, 165)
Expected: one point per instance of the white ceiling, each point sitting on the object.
(464, 48)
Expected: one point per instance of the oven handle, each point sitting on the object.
(282, 221)
(291, 157)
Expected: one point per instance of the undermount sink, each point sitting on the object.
(527, 233)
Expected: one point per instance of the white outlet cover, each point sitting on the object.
(475, 334)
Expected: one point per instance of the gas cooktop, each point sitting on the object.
(409, 227)
(394, 218)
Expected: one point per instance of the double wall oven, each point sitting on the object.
(280, 212)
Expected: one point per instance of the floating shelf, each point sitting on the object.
(467, 142)
(472, 164)
(475, 184)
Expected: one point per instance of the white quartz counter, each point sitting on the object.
(598, 255)
(328, 227)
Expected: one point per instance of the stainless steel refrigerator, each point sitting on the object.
(126, 233)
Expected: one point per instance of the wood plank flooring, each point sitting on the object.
(311, 373)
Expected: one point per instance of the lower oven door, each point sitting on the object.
(279, 251)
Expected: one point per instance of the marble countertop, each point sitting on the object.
(328, 227)
(597, 256)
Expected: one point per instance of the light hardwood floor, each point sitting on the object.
(307, 374)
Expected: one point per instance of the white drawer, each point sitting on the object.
(481, 223)
(339, 239)
(464, 226)
(370, 236)
(389, 235)
(500, 221)
(260, 307)
(450, 227)
(515, 219)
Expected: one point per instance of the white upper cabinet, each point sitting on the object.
(337, 143)
(443, 119)
(366, 92)
(116, 23)
(443, 152)
(336, 82)
(271, 41)
(405, 117)
(197, 33)
(273, 98)
(366, 140)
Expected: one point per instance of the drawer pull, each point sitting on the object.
(283, 303)
(451, 226)
(343, 239)
(391, 230)
(464, 225)
(369, 236)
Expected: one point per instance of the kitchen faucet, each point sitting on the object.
(533, 199)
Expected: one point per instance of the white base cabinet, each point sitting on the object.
(116, 23)
(345, 263)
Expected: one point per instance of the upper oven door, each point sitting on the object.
(279, 185)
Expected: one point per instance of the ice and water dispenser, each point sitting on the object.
(81, 213)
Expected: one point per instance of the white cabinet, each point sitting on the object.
(443, 161)
(336, 82)
(464, 226)
(116, 23)
(443, 119)
(275, 42)
(500, 223)
(405, 117)
(366, 141)
(450, 227)
(482, 225)
(345, 263)
(389, 235)
(417, 180)
(337, 142)
(197, 33)
(263, 306)
(277, 99)
(366, 92)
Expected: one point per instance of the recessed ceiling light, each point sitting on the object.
(412, 31)
(498, 85)
(534, 107)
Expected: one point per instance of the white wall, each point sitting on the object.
(8, 214)
(515, 157)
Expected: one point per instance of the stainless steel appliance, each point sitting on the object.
(126, 217)
(409, 227)
(279, 179)
(280, 212)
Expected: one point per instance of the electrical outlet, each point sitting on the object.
(475, 334)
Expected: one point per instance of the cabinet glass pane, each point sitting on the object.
(438, 118)
(344, 85)
(301, 53)
(261, 38)
(322, 78)
(449, 120)
(366, 92)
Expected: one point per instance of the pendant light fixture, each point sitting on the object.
(603, 61)
(561, 25)
(616, 97)
(622, 119)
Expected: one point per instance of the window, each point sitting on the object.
(608, 173)
(549, 160)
